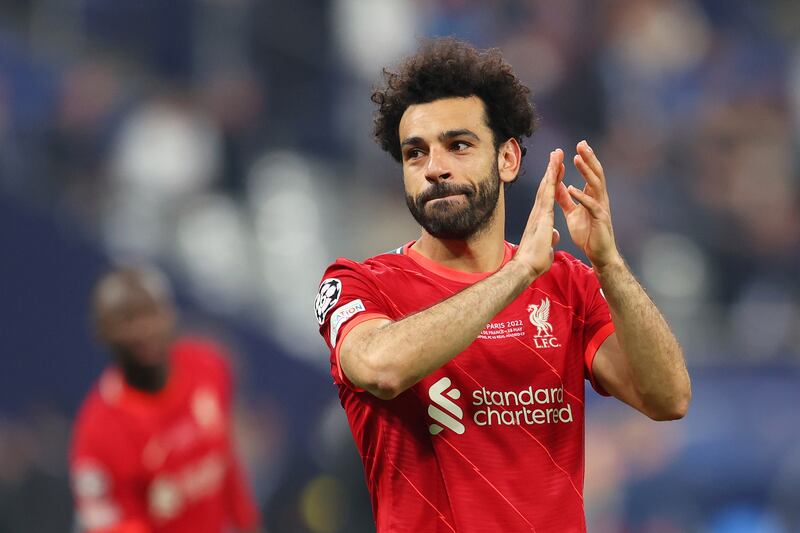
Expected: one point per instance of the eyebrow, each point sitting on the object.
(445, 135)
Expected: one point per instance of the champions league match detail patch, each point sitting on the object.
(329, 291)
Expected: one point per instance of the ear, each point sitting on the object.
(509, 158)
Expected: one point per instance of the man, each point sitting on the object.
(459, 357)
(152, 449)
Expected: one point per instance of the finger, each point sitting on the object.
(554, 173)
(591, 159)
(591, 205)
(546, 192)
(547, 173)
(564, 200)
(556, 238)
(538, 202)
(589, 175)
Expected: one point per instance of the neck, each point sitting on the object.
(482, 252)
(145, 378)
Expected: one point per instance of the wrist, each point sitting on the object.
(613, 264)
(520, 272)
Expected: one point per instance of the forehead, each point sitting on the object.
(124, 316)
(428, 120)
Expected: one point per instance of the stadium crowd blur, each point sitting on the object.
(229, 142)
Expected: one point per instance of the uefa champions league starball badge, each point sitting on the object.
(329, 292)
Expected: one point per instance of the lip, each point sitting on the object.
(448, 197)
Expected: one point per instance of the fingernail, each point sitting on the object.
(586, 144)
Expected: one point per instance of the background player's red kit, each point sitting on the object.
(493, 440)
(161, 463)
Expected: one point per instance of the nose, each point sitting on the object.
(436, 169)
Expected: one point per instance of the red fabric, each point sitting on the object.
(493, 440)
(337, 367)
(591, 350)
(129, 526)
(163, 462)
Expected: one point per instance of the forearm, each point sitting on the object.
(655, 359)
(397, 355)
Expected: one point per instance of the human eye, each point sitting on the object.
(459, 146)
(414, 153)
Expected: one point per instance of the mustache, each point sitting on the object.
(443, 189)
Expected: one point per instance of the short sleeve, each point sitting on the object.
(347, 296)
(103, 483)
(594, 313)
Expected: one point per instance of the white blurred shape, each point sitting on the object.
(212, 243)
(165, 152)
(133, 223)
(168, 149)
(373, 34)
(289, 201)
(675, 267)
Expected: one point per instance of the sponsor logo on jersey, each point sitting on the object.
(329, 292)
(444, 410)
(169, 493)
(164, 498)
(89, 480)
(539, 315)
(342, 315)
(206, 410)
(526, 407)
(92, 487)
(101, 514)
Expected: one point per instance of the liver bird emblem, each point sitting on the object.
(539, 315)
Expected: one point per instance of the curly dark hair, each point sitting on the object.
(447, 67)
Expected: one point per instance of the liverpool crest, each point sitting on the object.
(539, 315)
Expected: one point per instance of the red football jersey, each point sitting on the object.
(494, 439)
(164, 462)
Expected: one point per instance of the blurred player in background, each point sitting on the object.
(152, 450)
(460, 358)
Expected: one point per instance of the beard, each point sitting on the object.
(449, 219)
(150, 376)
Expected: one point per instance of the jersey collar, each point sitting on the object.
(452, 274)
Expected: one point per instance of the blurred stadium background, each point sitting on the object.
(229, 142)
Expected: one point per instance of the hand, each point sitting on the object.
(535, 250)
(589, 221)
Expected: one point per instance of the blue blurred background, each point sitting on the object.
(229, 142)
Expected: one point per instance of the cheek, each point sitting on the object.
(488, 161)
(412, 184)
